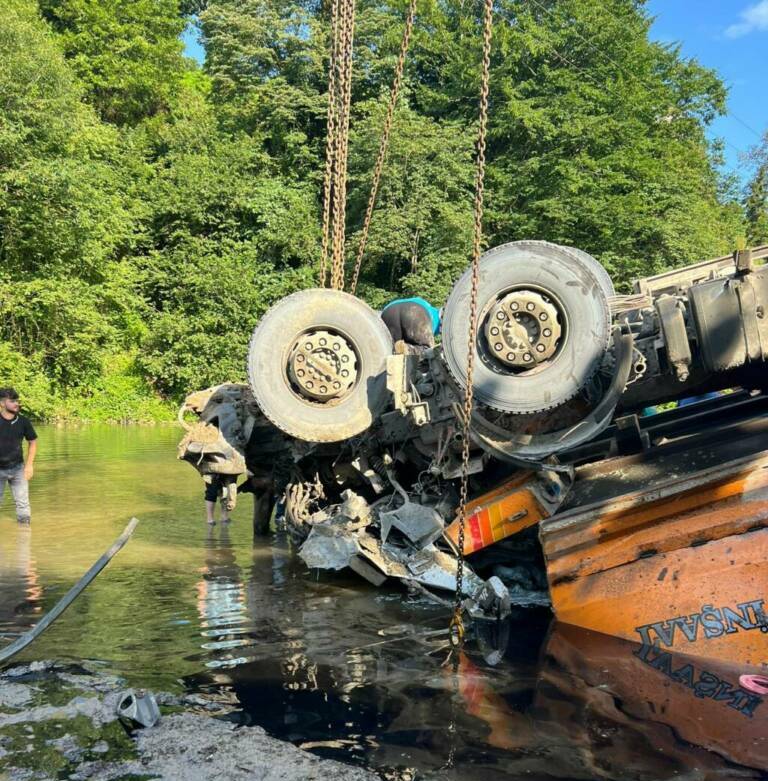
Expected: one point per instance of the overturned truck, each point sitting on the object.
(362, 438)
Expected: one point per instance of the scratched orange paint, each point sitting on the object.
(685, 569)
(506, 510)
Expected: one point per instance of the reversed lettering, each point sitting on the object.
(703, 684)
(713, 621)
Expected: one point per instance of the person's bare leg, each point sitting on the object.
(209, 508)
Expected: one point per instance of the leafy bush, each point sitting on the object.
(151, 209)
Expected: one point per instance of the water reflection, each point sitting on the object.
(333, 664)
(590, 707)
(20, 589)
(221, 594)
(645, 713)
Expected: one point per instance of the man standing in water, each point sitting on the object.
(217, 487)
(13, 429)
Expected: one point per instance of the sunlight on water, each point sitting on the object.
(329, 662)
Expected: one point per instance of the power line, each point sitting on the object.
(604, 86)
(633, 76)
(748, 127)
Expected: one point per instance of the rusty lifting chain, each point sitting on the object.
(330, 141)
(347, 30)
(337, 142)
(384, 143)
(457, 624)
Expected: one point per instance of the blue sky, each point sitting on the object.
(730, 36)
(192, 47)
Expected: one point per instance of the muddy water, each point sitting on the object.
(330, 663)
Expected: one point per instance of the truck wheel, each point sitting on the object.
(543, 325)
(317, 365)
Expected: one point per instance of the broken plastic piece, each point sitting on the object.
(422, 525)
(139, 707)
(493, 601)
(328, 547)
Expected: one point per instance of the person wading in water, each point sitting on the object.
(13, 429)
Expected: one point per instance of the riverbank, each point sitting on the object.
(60, 721)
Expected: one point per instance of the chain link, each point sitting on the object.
(344, 99)
(384, 144)
(337, 143)
(330, 139)
(457, 627)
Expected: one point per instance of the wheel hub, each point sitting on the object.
(322, 365)
(522, 329)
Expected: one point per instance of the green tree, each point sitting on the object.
(127, 54)
(421, 231)
(62, 200)
(67, 218)
(756, 197)
(597, 134)
(268, 69)
(229, 236)
(200, 328)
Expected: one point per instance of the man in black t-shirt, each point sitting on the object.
(13, 429)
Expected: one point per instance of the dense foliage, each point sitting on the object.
(756, 196)
(152, 208)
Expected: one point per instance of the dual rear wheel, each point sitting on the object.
(317, 360)
(544, 324)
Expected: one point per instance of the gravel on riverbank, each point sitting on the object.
(60, 722)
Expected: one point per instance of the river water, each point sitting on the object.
(328, 662)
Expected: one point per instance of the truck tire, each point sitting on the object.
(364, 343)
(570, 281)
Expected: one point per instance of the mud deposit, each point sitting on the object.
(248, 647)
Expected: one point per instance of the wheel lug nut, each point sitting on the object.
(547, 332)
(498, 346)
(540, 348)
(543, 316)
(527, 357)
(494, 331)
(510, 356)
(530, 306)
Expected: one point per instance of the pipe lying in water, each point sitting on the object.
(22, 642)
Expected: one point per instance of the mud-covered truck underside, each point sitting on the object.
(362, 438)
